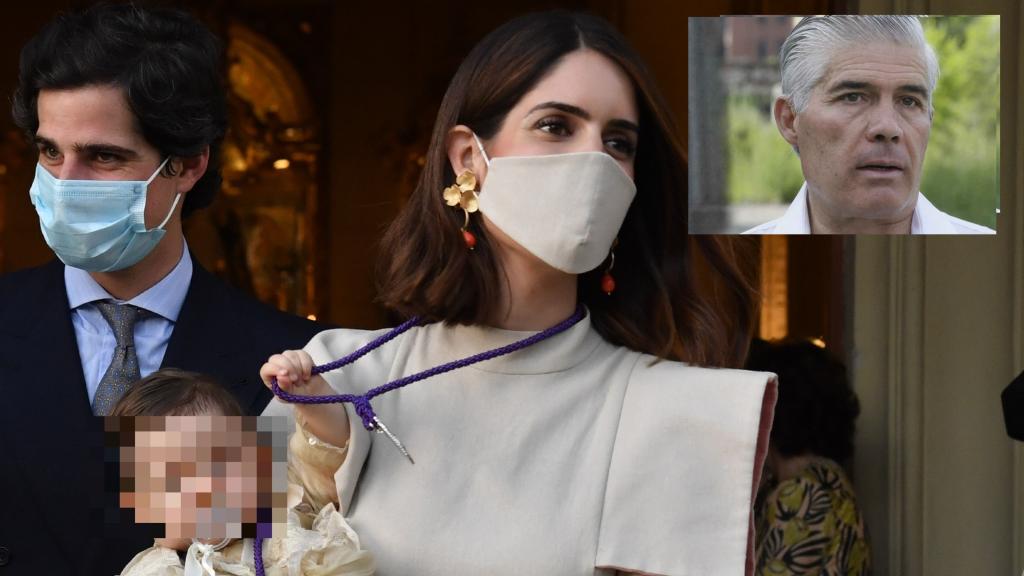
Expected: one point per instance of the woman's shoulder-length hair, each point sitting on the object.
(657, 308)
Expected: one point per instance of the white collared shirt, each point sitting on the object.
(927, 220)
(96, 342)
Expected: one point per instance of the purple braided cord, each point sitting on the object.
(361, 403)
(373, 345)
(257, 556)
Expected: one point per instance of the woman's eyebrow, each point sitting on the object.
(567, 108)
(620, 123)
(623, 124)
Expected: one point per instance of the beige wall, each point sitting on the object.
(938, 332)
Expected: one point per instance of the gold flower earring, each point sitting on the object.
(463, 195)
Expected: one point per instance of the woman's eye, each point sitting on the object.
(622, 146)
(554, 126)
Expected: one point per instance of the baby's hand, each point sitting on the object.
(293, 370)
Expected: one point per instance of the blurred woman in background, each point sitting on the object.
(807, 516)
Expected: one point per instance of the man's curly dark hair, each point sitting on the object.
(168, 64)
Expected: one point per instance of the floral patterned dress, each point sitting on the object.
(810, 525)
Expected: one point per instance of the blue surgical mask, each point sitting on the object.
(96, 225)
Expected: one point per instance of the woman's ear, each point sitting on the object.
(463, 153)
(785, 119)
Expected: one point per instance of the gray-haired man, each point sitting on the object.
(856, 106)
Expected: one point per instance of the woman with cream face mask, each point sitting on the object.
(535, 416)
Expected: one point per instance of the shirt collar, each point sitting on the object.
(163, 298)
(927, 218)
(797, 219)
(930, 220)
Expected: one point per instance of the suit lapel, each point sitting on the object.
(51, 359)
(50, 371)
(209, 335)
(194, 336)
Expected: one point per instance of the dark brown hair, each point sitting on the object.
(173, 392)
(817, 409)
(167, 63)
(426, 269)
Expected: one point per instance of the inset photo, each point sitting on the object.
(844, 125)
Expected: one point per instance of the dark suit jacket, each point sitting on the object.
(52, 514)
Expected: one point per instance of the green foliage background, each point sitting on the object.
(961, 167)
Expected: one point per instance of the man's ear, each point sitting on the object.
(785, 120)
(463, 153)
(190, 169)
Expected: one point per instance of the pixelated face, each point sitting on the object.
(204, 476)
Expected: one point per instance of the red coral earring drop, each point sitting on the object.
(468, 237)
(607, 280)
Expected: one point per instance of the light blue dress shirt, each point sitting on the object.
(96, 339)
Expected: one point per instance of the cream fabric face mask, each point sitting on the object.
(565, 209)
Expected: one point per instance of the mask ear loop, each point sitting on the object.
(158, 170)
(171, 213)
(482, 151)
(177, 196)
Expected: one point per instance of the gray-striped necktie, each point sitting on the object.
(124, 366)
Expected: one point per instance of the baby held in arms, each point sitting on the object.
(235, 493)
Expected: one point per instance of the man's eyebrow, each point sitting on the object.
(581, 113)
(106, 148)
(91, 147)
(914, 89)
(849, 85)
(44, 141)
(860, 85)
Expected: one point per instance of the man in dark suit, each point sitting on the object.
(127, 108)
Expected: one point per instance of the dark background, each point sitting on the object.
(374, 73)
